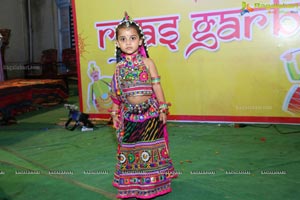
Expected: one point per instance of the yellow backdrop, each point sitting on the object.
(219, 60)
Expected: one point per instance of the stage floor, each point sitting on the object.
(214, 162)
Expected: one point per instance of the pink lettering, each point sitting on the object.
(105, 29)
(150, 34)
(229, 27)
(163, 29)
(226, 23)
(259, 19)
(203, 36)
(286, 24)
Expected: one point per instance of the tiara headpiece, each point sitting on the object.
(128, 21)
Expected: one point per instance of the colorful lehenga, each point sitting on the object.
(144, 169)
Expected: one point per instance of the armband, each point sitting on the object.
(155, 80)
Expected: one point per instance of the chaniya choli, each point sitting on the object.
(144, 168)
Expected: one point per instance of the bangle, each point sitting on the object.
(164, 107)
(165, 111)
(114, 113)
(162, 103)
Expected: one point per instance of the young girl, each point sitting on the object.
(144, 169)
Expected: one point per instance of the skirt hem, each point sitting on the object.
(145, 197)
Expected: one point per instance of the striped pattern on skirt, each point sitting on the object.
(144, 169)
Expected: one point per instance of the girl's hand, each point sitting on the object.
(116, 122)
(163, 117)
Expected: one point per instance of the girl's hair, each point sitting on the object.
(128, 23)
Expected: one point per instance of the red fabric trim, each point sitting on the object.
(245, 119)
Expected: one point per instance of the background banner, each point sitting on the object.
(225, 61)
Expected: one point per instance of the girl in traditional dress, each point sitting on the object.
(144, 169)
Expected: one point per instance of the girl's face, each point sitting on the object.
(128, 40)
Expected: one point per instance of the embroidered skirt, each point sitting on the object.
(144, 168)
